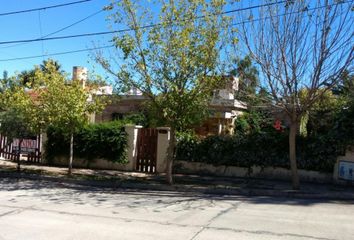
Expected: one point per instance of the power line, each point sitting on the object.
(43, 8)
(154, 25)
(124, 30)
(255, 6)
(75, 23)
(64, 37)
(61, 29)
(56, 54)
(290, 13)
(127, 29)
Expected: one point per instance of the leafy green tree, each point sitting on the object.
(326, 112)
(20, 116)
(66, 105)
(55, 65)
(4, 81)
(5, 75)
(137, 119)
(9, 82)
(14, 125)
(320, 117)
(345, 86)
(248, 76)
(173, 63)
(27, 77)
(254, 121)
(343, 126)
(51, 100)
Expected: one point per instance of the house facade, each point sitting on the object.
(223, 107)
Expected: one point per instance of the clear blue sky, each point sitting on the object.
(39, 23)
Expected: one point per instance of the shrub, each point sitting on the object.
(103, 140)
(265, 149)
(136, 119)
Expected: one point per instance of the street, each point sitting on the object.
(46, 210)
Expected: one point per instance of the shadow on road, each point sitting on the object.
(61, 193)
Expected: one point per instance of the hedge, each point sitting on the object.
(261, 149)
(103, 140)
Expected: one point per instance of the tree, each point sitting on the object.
(4, 82)
(66, 105)
(343, 126)
(300, 45)
(19, 117)
(320, 117)
(27, 77)
(345, 87)
(174, 63)
(248, 76)
(52, 100)
(55, 65)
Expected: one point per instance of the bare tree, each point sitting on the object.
(301, 47)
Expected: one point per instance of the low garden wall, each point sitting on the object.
(97, 163)
(111, 146)
(253, 172)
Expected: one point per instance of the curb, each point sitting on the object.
(208, 190)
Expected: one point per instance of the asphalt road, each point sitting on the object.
(47, 210)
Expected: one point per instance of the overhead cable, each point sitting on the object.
(43, 8)
(56, 54)
(128, 29)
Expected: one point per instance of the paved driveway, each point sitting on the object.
(47, 210)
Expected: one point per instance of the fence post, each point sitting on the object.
(163, 140)
(132, 137)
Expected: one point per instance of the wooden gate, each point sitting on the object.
(30, 149)
(147, 150)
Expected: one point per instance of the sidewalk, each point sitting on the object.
(183, 183)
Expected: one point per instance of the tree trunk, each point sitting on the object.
(71, 153)
(292, 155)
(19, 155)
(170, 156)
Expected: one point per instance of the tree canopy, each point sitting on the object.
(66, 104)
(49, 99)
(174, 63)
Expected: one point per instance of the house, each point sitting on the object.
(120, 106)
(224, 108)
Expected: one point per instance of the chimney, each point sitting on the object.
(80, 74)
(232, 83)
